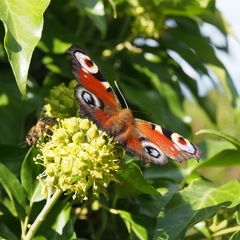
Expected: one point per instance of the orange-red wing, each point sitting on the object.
(98, 102)
(172, 144)
(89, 76)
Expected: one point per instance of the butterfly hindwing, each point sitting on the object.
(171, 144)
(145, 149)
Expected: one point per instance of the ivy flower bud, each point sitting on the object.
(78, 157)
(61, 103)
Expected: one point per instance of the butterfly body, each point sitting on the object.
(97, 100)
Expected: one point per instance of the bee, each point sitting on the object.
(42, 126)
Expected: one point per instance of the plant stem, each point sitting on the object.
(226, 231)
(42, 215)
(25, 223)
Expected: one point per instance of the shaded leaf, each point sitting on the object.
(6, 233)
(165, 90)
(16, 110)
(94, 9)
(12, 156)
(169, 171)
(235, 236)
(14, 190)
(133, 182)
(29, 173)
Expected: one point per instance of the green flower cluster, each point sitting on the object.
(77, 157)
(61, 103)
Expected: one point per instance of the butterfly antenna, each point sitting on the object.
(116, 84)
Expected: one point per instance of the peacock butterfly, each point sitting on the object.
(148, 141)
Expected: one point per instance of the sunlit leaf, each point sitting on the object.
(218, 153)
(132, 225)
(226, 82)
(58, 224)
(23, 28)
(196, 203)
(224, 136)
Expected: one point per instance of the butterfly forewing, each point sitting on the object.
(89, 76)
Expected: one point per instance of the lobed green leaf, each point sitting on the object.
(196, 203)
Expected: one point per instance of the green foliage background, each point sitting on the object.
(136, 43)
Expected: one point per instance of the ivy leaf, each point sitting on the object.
(224, 136)
(94, 9)
(196, 203)
(133, 182)
(218, 153)
(14, 190)
(6, 233)
(58, 224)
(23, 23)
(132, 224)
(235, 236)
(29, 172)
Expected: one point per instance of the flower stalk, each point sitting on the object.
(43, 214)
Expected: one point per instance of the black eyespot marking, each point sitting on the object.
(153, 152)
(109, 89)
(167, 133)
(153, 126)
(88, 99)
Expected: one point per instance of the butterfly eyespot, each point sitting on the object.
(86, 62)
(183, 143)
(154, 152)
(88, 98)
